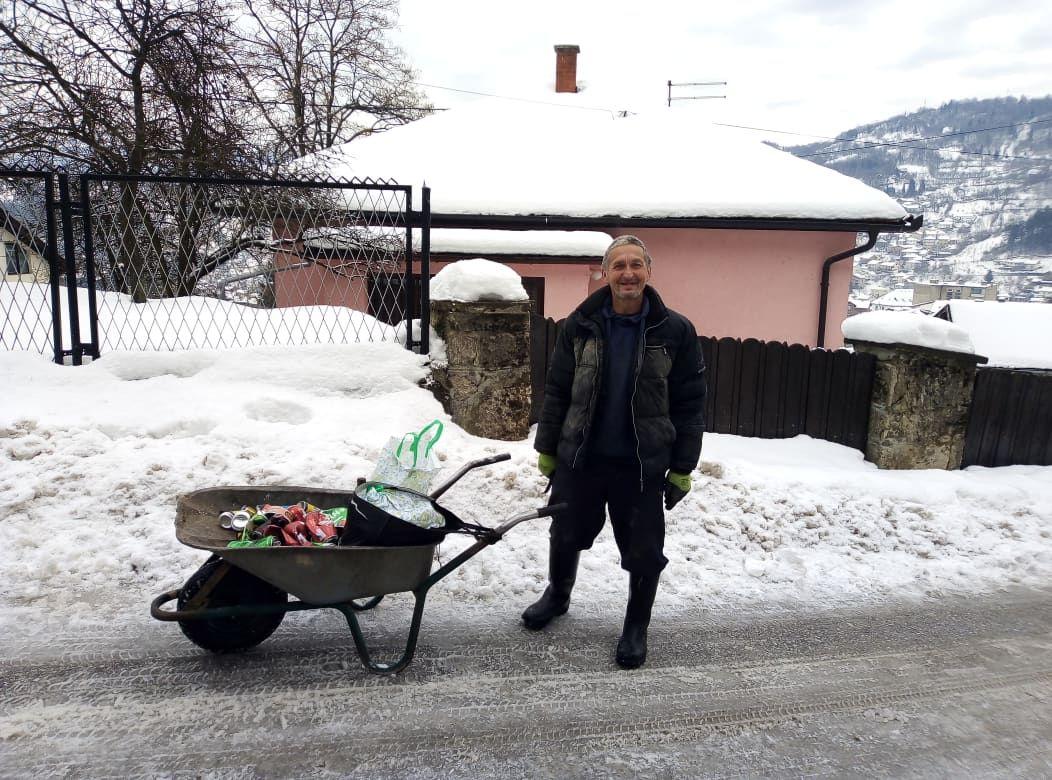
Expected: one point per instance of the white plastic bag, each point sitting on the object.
(408, 462)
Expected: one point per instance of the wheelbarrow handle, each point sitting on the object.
(543, 511)
(465, 469)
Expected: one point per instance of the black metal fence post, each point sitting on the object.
(51, 254)
(65, 205)
(407, 279)
(425, 271)
(89, 267)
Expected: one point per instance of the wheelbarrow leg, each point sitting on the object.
(410, 646)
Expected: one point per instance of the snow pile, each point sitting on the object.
(529, 159)
(1009, 334)
(477, 280)
(192, 322)
(92, 460)
(436, 345)
(891, 327)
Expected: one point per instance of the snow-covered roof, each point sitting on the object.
(1010, 334)
(558, 243)
(520, 160)
(896, 327)
(902, 298)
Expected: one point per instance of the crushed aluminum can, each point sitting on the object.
(297, 530)
(235, 521)
(240, 520)
(321, 528)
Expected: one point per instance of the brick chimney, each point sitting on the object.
(566, 68)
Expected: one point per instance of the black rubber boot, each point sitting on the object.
(562, 573)
(632, 647)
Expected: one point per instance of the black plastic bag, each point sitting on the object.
(370, 526)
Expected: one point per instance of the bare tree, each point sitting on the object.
(127, 86)
(178, 87)
(324, 72)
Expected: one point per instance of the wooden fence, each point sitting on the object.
(764, 389)
(1011, 419)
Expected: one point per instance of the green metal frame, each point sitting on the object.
(348, 609)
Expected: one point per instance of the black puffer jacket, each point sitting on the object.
(668, 404)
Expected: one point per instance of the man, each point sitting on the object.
(620, 430)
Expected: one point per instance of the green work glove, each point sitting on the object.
(546, 464)
(676, 486)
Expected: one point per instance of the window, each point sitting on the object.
(977, 291)
(16, 260)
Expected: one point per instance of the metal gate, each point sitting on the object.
(170, 263)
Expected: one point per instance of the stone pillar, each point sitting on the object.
(485, 385)
(918, 415)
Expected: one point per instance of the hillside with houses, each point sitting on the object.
(980, 171)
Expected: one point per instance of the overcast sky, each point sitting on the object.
(810, 66)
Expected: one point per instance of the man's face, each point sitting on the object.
(627, 274)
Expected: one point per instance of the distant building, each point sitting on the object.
(857, 305)
(896, 300)
(926, 292)
(21, 250)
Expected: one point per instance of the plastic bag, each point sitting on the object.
(408, 462)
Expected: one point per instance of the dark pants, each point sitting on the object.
(637, 517)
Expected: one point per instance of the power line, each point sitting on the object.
(518, 99)
(925, 138)
(906, 143)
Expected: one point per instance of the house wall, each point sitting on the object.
(762, 284)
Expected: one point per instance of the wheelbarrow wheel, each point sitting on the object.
(235, 588)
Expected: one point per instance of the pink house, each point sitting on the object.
(746, 240)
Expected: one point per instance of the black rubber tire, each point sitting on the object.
(237, 587)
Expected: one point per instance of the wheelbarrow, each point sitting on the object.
(239, 596)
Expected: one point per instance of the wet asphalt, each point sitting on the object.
(953, 687)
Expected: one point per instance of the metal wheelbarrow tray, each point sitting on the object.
(240, 595)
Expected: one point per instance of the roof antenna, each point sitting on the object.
(672, 84)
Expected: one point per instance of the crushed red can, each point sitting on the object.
(320, 526)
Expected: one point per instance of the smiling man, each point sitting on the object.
(620, 430)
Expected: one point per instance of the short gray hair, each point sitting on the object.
(625, 241)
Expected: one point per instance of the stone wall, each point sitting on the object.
(485, 386)
(919, 410)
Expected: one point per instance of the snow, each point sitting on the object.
(893, 327)
(1010, 334)
(188, 322)
(94, 457)
(515, 159)
(559, 243)
(477, 279)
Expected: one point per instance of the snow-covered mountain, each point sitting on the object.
(980, 171)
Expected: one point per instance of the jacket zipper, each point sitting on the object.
(595, 390)
(635, 385)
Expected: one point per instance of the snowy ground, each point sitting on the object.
(93, 458)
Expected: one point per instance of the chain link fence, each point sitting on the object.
(26, 302)
(167, 263)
